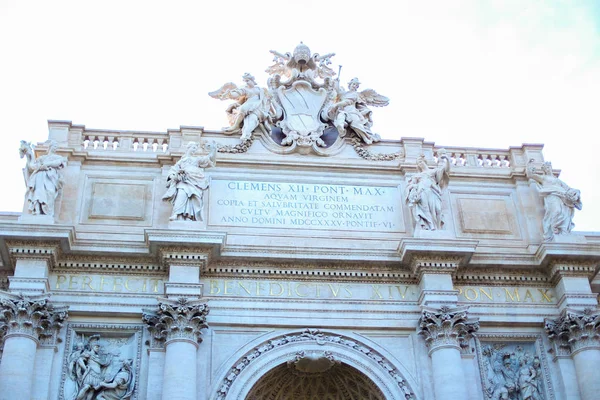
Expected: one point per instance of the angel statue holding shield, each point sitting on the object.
(351, 110)
(251, 108)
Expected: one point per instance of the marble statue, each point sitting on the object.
(120, 387)
(351, 111)
(560, 201)
(187, 183)
(44, 178)
(252, 106)
(424, 192)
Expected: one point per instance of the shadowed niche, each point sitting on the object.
(314, 377)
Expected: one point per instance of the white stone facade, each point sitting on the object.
(303, 275)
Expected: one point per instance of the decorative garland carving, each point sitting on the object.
(446, 327)
(311, 336)
(241, 147)
(574, 331)
(367, 155)
(179, 319)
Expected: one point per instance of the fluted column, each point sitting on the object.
(178, 324)
(578, 334)
(446, 331)
(26, 321)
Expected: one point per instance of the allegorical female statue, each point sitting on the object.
(44, 178)
(187, 183)
(560, 201)
(424, 192)
(252, 106)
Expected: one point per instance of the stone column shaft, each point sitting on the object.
(578, 334)
(179, 381)
(177, 324)
(26, 320)
(587, 363)
(445, 331)
(16, 368)
(448, 376)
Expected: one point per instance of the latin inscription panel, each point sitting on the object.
(305, 206)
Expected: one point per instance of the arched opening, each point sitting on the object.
(314, 377)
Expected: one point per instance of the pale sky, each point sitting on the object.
(487, 73)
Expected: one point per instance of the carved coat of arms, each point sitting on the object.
(303, 108)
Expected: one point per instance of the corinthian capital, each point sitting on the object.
(446, 327)
(31, 316)
(179, 319)
(574, 331)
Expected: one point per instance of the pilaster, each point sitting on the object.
(435, 276)
(572, 284)
(185, 266)
(32, 262)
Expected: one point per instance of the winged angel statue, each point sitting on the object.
(252, 106)
(301, 102)
(351, 111)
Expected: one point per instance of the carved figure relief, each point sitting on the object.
(187, 183)
(512, 372)
(560, 201)
(44, 178)
(424, 192)
(97, 369)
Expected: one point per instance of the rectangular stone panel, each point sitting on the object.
(305, 206)
(117, 201)
(485, 215)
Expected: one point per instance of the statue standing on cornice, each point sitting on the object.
(351, 110)
(187, 183)
(560, 201)
(424, 192)
(252, 106)
(44, 178)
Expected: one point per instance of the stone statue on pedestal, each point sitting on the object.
(424, 192)
(44, 178)
(187, 183)
(560, 201)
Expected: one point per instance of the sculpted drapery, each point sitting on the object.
(45, 178)
(560, 201)
(187, 182)
(424, 193)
